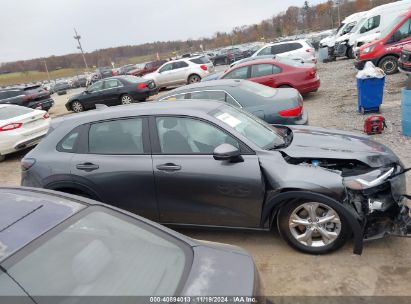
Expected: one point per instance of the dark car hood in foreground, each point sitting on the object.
(221, 270)
(313, 142)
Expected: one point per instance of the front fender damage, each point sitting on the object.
(376, 210)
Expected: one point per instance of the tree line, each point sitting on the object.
(295, 20)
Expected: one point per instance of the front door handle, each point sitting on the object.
(88, 167)
(169, 167)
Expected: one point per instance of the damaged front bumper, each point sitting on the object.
(379, 199)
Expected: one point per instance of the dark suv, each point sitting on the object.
(31, 96)
(145, 68)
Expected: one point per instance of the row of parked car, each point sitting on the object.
(378, 35)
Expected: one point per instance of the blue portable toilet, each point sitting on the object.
(406, 111)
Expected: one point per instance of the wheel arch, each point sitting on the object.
(386, 55)
(193, 74)
(277, 200)
(73, 188)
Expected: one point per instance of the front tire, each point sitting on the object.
(77, 106)
(126, 99)
(389, 65)
(312, 227)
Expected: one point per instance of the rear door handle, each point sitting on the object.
(88, 167)
(169, 167)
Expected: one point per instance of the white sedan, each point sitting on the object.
(20, 128)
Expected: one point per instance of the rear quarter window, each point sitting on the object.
(69, 142)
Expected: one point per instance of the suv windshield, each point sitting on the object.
(259, 132)
(102, 253)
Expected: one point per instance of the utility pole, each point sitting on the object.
(338, 12)
(47, 70)
(78, 37)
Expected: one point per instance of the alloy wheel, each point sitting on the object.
(126, 99)
(194, 79)
(77, 107)
(314, 224)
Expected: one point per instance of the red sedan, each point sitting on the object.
(277, 73)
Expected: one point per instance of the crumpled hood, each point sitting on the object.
(313, 142)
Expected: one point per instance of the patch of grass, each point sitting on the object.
(34, 76)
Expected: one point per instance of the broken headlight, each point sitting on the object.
(368, 180)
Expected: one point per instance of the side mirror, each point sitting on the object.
(227, 152)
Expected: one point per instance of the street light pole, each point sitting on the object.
(78, 37)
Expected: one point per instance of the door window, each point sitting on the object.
(96, 87)
(240, 73)
(182, 135)
(293, 46)
(265, 51)
(179, 65)
(167, 67)
(371, 24)
(3, 95)
(112, 83)
(278, 49)
(259, 70)
(123, 136)
(403, 32)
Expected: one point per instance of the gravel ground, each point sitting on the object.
(384, 268)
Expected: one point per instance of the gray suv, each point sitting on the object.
(207, 163)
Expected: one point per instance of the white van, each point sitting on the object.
(369, 27)
(346, 26)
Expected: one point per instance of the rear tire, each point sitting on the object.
(2, 157)
(77, 106)
(389, 65)
(126, 99)
(312, 227)
(284, 86)
(193, 79)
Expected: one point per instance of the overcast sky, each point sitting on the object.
(37, 28)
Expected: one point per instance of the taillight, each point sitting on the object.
(46, 115)
(142, 85)
(203, 67)
(27, 163)
(11, 126)
(308, 50)
(293, 112)
(27, 97)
